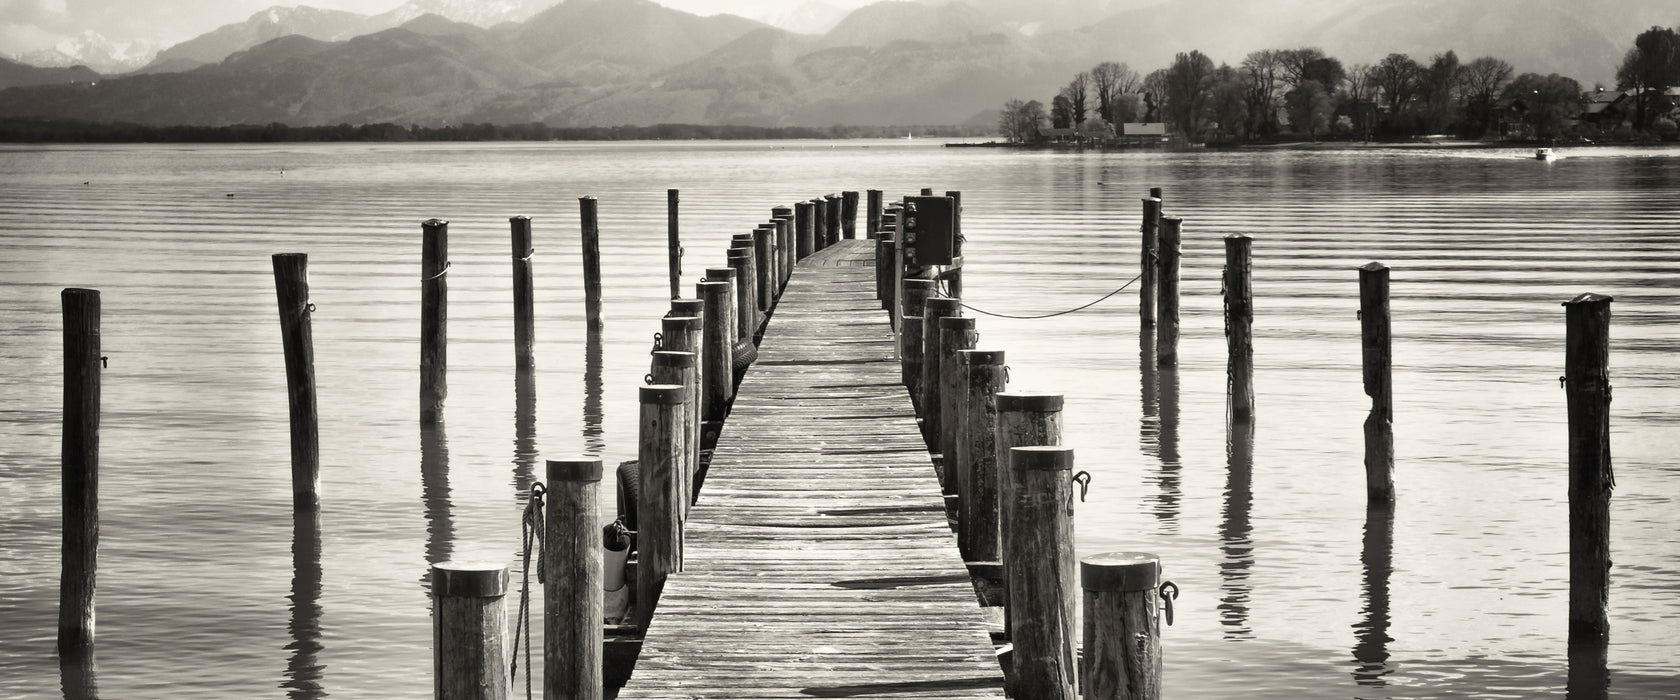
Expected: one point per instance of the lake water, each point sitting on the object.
(1290, 590)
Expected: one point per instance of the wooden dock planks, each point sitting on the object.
(818, 561)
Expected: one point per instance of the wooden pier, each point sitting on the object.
(819, 561)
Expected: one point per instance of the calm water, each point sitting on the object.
(208, 588)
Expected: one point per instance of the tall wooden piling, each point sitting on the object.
(1587, 387)
(587, 211)
(1376, 345)
(834, 222)
(953, 275)
(746, 294)
(572, 587)
(1239, 325)
(1039, 556)
(786, 242)
(659, 537)
(805, 223)
(1166, 316)
(983, 377)
(297, 340)
(956, 335)
(1023, 420)
(916, 293)
(688, 334)
(927, 385)
(524, 315)
(673, 243)
(717, 358)
(79, 471)
(848, 213)
(434, 319)
(1151, 247)
(677, 368)
(1122, 630)
(764, 263)
(872, 217)
(819, 222)
(469, 631)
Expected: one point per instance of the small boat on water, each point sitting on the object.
(1543, 154)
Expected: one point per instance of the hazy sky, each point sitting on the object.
(27, 25)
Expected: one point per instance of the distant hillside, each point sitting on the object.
(269, 24)
(14, 74)
(606, 40)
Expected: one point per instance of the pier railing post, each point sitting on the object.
(848, 213)
(677, 368)
(956, 334)
(469, 631)
(1122, 629)
(591, 226)
(954, 274)
(79, 470)
(1166, 317)
(572, 588)
(821, 222)
(934, 308)
(916, 293)
(746, 292)
(297, 340)
(872, 219)
(977, 480)
(786, 246)
(1151, 250)
(1376, 344)
(1239, 325)
(687, 334)
(524, 316)
(1023, 420)
(718, 356)
(765, 266)
(659, 536)
(805, 221)
(1041, 584)
(1587, 383)
(434, 319)
(673, 243)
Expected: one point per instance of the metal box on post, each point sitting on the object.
(929, 230)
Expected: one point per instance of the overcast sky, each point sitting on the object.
(27, 25)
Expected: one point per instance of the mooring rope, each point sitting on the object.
(1100, 300)
(530, 533)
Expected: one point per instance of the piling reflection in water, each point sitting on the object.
(303, 668)
(1235, 532)
(78, 675)
(593, 416)
(1171, 491)
(434, 491)
(1149, 424)
(524, 434)
(1589, 671)
(1370, 650)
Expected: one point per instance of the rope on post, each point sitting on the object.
(530, 533)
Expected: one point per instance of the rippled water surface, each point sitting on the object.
(209, 588)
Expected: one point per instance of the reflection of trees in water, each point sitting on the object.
(303, 668)
(1370, 649)
(1235, 531)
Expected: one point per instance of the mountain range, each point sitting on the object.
(609, 62)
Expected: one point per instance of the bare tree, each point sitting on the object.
(1077, 92)
(1189, 86)
(1294, 63)
(1483, 79)
(1397, 77)
(1110, 80)
(1260, 72)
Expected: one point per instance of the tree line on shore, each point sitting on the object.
(65, 131)
(1305, 94)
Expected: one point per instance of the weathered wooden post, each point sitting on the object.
(872, 219)
(469, 631)
(805, 220)
(1376, 344)
(659, 536)
(79, 471)
(1587, 383)
(524, 315)
(848, 213)
(717, 358)
(1239, 325)
(1122, 626)
(916, 293)
(833, 211)
(673, 243)
(956, 335)
(591, 260)
(572, 587)
(983, 376)
(1166, 330)
(1023, 420)
(746, 294)
(927, 385)
(1151, 249)
(953, 273)
(434, 319)
(297, 340)
(1039, 557)
(687, 334)
(677, 368)
(786, 242)
(764, 264)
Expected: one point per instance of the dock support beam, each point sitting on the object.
(297, 340)
(469, 631)
(1587, 384)
(1023, 420)
(1122, 626)
(1239, 325)
(659, 536)
(572, 592)
(1041, 584)
(1377, 353)
(976, 461)
(434, 319)
(79, 469)
(1166, 321)
(591, 226)
(524, 315)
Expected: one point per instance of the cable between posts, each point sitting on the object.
(1099, 300)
